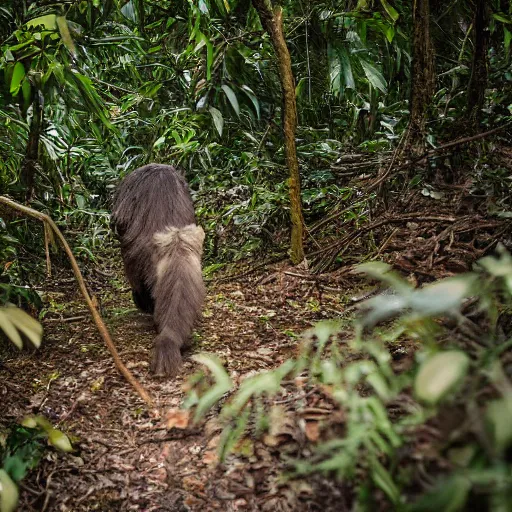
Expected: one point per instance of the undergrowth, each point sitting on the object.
(461, 369)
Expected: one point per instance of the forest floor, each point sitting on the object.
(126, 459)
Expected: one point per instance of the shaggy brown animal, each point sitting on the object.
(161, 245)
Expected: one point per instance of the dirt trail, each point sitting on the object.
(125, 459)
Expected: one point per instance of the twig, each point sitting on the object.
(246, 273)
(439, 149)
(94, 312)
(70, 319)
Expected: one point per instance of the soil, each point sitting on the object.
(127, 458)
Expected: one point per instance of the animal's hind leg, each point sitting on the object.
(144, 300)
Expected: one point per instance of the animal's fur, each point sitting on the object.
(161, 246)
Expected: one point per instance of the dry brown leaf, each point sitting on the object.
(177, 418)
(210, 457)
(312, 430)
(193, 484)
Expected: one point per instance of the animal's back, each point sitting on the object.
(149, 200)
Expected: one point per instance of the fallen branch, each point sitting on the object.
(49, 224)
(432, 152)
(337, 247)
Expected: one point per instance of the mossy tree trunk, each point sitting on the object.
(271, 17)
(422, 79)
(478, 78)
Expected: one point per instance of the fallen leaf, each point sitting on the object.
(210, 457)
(193, 484)
(312, 430)
(177, 418)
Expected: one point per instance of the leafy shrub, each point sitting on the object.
(451, 373)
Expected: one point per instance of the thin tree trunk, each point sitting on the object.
(141, 16)
(272, 21)
(422, 79)
(31, 160)
(478, 79)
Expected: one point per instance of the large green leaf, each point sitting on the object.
(253, 98)
(49, 22)
(440, 374)
(17, 76)
(8, 493)
(346, 69)
(232, 98)
(13, 319)
(391, 11)
(374, 76)
(65, 35)
(218, 120)
(91, 97)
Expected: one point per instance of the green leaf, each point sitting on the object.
(440, 374)
(91, 97)
(507, 37)
(499, 422)
(218, 120)
(450, 495)
(334, 70)
(26, 92)
(382, 271)
(383, 479)
(442, 297)
(222, 385)
(390, 33)
(374, 76)
(502, 17)
(128, 11)
(65, 35)
(391, 11)
(268, 382)
(59, 440)
(346, 69)
(17, 76)
(8, 493)
(253, 98)
(203, 40)
(30, 327)
(49, 22)
(159, 142)
(232, 98)
(10, 331)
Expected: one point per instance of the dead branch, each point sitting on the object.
(435, 151)
(81, 283)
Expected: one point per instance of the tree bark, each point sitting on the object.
(422, 78)
(31, 160)
(272, 21)
(478, 78)
(141, 16)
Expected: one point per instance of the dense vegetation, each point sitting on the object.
(403, 140)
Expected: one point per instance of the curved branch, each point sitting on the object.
(102, 328)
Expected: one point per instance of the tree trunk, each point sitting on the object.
(31, 160)
(422, 79)
(141, 16)
(272, 21)
(478, 78)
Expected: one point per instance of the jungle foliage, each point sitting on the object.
(90, 90)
